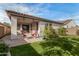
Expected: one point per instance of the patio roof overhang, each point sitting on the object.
(26, 17)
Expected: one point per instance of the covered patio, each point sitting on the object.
(23, 25)
(27, 27)
(24, 29)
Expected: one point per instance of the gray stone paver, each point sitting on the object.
(20, 41)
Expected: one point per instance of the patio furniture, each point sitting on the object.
(19, 32)
(26, 34)
(34, 33)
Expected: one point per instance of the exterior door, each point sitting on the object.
(26, 27)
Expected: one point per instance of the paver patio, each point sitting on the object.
(19, 41)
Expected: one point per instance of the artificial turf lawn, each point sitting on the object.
(33, 49)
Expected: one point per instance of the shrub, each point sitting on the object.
(63, 46)
(67, 45)
(3, 54)
(57, 51)
(49, 33)
(62, 31)
(3, 48)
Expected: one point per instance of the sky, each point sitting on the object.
(51, 11)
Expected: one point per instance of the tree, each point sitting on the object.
(62, 31)
(49, 32)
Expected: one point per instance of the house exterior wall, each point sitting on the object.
(71, 28)
(70, 24)
(55, 26)
(72, 31)
(42, 25)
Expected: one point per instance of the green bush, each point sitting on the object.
(63, 46)
(49, 33)
(75, 50)
(57, 51)
(76, 39)
(62, 31)
(3, 48)
(3, 54)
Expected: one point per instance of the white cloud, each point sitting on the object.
(3, 16)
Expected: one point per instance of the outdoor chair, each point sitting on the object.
(26, 34)
(34, 33)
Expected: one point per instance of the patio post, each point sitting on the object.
(13, 27)
(39, 29)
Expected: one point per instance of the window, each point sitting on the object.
(67, 26)
(46, 24)
(50, 24)
(25, 27)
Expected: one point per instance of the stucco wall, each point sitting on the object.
(55, 26)
(42, 26)
(70, 24)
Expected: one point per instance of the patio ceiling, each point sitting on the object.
(22, 20)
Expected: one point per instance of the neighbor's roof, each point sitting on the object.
(66, 21)
(10, 12)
